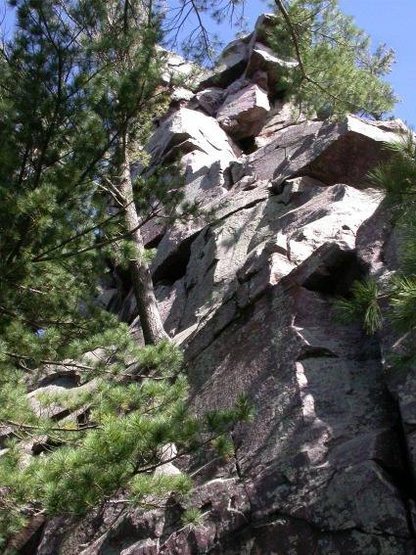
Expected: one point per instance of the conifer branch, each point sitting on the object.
(32, 427)
(98, 245)
(99, 225)
(305, 75)
(203, 30)
(50, 362)
(39, 323)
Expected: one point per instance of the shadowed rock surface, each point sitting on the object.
(328, 465)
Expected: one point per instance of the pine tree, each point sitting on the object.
(77, 93)
(124, 39)
(337, 72)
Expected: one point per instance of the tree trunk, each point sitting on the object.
(151, 322)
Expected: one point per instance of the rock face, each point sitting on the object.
(328, 465)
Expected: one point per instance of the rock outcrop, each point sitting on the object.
(328, 465)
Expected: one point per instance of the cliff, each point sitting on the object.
(328, 464)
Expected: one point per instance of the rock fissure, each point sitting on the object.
(405, 482)
(322, 529)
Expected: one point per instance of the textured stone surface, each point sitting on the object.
(230, 65)
(244, 112)
(203, 148)
(175, 66)
(321, 407)
(209, 100)
(323, 150)
(263, 59)
(282, 115)
(253, 247)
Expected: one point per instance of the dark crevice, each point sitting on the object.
(60, 415)
(308, 351)
(122, 277)
(45, 447)
(29, 539)
(155, 242)
(225, 78)
(174, 267)
(404, 481)
(68, 379)
(335, 277)
(247, 206)
(247, 145)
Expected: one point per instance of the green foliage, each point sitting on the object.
(116, 449)
(363, 305)
(50, 208)
(403, 303)
(192, 517)
(397, 175)
(224, 446)
(337, 71)
(76, 80)
(219, 421)
(144, 486)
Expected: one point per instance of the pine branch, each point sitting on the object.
(39, 323)
(203, 30)
(99, 225)
(50, 362)
(33, 427)
(305, 75)
(102, 243)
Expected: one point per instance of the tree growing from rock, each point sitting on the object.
(124, 36)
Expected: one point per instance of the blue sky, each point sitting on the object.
(387, 21)
(392, 22)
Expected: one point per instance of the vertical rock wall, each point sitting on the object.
(327, 466)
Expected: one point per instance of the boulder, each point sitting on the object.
(203, 148)
(263, 27)
(177, 68)
(262, 58)
(51, 400)
(167, 453)
(181, 95)
(230, 65)
(209, 100)
(185, 131)
(242, 115)
(332, 152)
